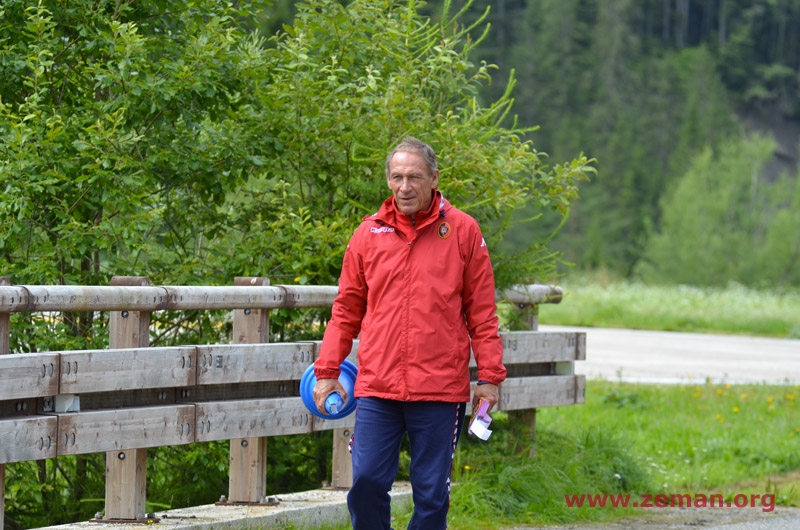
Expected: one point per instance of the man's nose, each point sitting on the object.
(406, 184)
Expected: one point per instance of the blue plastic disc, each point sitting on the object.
(347, 378)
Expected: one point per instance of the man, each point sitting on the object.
(417, 284)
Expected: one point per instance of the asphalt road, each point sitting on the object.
(672, 357)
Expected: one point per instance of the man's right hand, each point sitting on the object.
(323, 389)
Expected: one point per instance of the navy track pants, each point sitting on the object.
(433, 429)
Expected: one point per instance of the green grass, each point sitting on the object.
(598, 300)
(627, 438)
(497, 484)
(694, 437)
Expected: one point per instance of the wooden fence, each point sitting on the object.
(129, 397)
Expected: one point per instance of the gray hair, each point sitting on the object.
(409, 144)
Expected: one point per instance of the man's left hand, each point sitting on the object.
(488, 392)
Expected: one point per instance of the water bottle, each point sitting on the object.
(333, 403)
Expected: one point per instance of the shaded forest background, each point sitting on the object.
(692, 110)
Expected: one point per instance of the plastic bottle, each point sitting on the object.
(333, 403)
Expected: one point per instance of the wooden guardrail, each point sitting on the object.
(129, 397)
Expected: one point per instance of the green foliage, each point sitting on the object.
(187, 475)
(642, 87)
(591, 84)
(760, 41)
(725, 221)
(300, 462)
(363, 86)
(60, 489)
(175, 143)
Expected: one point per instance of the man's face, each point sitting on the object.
(411, 182)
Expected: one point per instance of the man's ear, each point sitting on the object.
(435, 178)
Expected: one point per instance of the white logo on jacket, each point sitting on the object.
(382, 229)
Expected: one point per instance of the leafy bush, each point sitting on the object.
(177, 144)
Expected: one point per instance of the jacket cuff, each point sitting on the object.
(323, 372)
(493, 376)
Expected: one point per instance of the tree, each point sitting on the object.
(131, 129)
(590, 77)
(725, 221)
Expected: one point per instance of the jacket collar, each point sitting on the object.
(388, 213)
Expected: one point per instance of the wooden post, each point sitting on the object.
(248, 471)
(342, 461)
(342, 466)
(5, 333)
(530, 313)
(126, 471)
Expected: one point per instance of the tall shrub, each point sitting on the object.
(170, 140)
(729, 220)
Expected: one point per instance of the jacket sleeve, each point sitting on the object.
(348, 310)
(480, 308)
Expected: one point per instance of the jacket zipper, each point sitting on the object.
(407, 327)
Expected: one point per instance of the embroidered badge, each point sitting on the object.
(444, 230)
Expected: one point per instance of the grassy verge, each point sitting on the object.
(626, 438)
(496, 483)
(602, 301)
(695, 437)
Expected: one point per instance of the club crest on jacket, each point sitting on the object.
(444, 230)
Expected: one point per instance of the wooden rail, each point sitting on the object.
(31, 298)
(129, 397)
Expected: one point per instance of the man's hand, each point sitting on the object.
(323, 389)
(487, 391)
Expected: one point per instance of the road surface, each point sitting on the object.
(673, 357)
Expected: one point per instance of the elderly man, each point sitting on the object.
(417, 284)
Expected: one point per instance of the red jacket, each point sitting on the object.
(417, 293)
